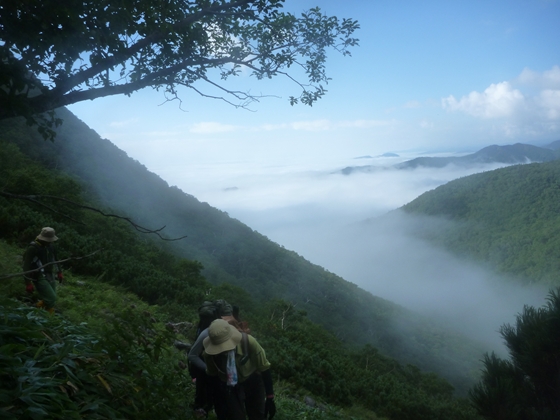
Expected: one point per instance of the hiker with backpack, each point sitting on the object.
(39, 264)
(240, 363)
(204, 399)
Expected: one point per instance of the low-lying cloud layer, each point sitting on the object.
(317, 213)
(387, 259)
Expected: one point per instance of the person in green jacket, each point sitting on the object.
(39, 267)
(239, 361)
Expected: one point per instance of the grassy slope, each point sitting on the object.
(87, 307)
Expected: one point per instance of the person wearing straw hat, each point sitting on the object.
(38, 266)
(204, 389)
(240, 363)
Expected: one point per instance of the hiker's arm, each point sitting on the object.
(195, 353)
(267, 380)
(269, 405)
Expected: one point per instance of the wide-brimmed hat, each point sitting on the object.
(221, 337)
(48, 235)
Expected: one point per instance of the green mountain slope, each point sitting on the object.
(107, 354)
(233, 253)
(508, 218)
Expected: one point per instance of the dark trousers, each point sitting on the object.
(203, 396)
(242, 401)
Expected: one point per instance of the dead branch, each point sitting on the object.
(285, 313)
(24, 273)
(35, 199)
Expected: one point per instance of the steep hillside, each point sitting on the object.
(107, 354)
(508, 218)
(233, 253)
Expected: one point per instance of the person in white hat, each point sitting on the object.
(240, 363)
(39, 269)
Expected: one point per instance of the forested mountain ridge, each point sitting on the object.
(508, 218)
(106, 354)
(233, 253)
(507, 154)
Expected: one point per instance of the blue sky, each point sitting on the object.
(427, 76)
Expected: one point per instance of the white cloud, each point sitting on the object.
(364, 123)
(325, 125)
(523, 112)
(272, 127)
(310, 125)
(497, 101)
(549, 79)
(315, 125)
(549, 101)
(212, 127)
(162, 134)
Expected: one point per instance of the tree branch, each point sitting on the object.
(57, 97)
(81, 77)
(23, 273)
(34, 199)
(150, 47)
(244, 97)
(51, 100)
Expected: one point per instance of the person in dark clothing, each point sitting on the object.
(39, 269)
(204, 400)
(240, 363)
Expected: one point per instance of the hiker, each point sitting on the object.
(38, 256)
(204, 400)
(238, 360)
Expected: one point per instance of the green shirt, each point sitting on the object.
(257, 361)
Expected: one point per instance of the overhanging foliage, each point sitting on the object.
(55, 53)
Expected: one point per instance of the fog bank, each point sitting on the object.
(385, 258)
(316, 211)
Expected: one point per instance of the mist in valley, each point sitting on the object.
(320, 213)
(385, 257)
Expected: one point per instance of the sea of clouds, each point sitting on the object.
(312, 208)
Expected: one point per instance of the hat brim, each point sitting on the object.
(231, 343)
(44, 238)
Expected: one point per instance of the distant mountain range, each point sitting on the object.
(510, 154)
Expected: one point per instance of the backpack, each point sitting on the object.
(209, 311)
(41, 252)
(214, 310)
